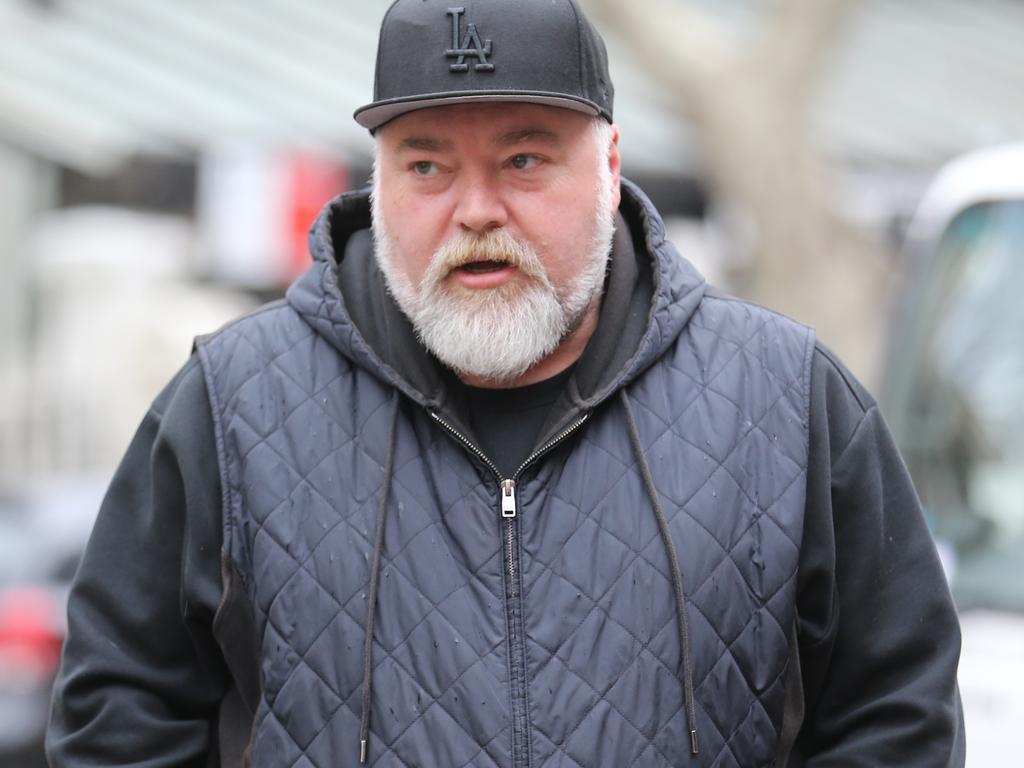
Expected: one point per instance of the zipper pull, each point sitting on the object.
(508, 498)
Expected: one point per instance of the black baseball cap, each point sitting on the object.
(436, 52)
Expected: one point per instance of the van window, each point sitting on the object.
(962, 410)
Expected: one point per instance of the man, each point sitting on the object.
(503, 483)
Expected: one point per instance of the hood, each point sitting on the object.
(650, 294)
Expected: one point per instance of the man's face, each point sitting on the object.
(493, 226)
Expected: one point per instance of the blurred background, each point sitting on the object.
(850, 162)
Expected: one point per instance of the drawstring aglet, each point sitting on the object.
(693, 742)
(362, 751)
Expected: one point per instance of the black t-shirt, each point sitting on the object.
(506, 421)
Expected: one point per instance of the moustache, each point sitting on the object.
(496, 245)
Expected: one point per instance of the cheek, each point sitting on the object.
(561, 232)
(414, 231)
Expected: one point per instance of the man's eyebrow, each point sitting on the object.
(424, 144)
(541, 135)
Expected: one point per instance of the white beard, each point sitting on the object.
(497, 334)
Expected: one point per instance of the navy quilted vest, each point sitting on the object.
(578, 662)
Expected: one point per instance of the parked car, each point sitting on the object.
(42, 536)
(954, 396)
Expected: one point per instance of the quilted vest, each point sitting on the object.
(571, 657)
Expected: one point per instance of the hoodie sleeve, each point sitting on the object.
(142, 676)
(879, 639)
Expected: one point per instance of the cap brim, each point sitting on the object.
(373, 116)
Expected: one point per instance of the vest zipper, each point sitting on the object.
(514, 615)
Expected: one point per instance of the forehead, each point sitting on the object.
(490, 122)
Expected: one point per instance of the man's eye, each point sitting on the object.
(424, 168)
(524, 162)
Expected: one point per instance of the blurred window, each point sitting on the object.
(964, 439)
(17, 550)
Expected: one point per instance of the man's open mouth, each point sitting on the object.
(480, 267)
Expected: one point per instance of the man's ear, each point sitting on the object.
(615, 165)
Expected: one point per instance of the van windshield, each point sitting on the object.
(962, 411)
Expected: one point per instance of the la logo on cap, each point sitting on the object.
(470, 45)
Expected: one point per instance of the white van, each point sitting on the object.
(954, 396)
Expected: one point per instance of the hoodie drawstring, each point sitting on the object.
(677, 577)
(378, 545)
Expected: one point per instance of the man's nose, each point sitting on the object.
(480, 207)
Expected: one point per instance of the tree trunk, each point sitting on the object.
(750, 101)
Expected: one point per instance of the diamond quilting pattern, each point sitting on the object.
(308, 538)
(723, 421)
(728, 452)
